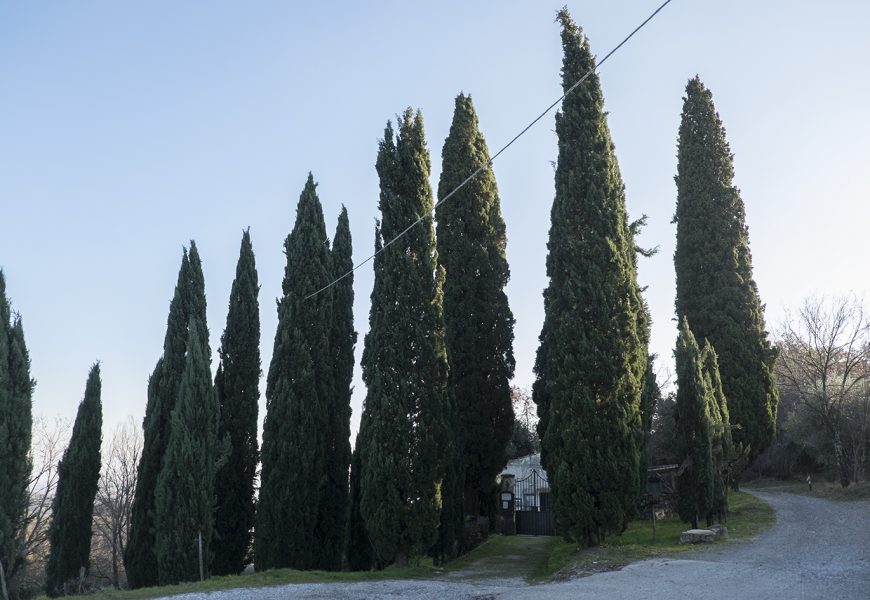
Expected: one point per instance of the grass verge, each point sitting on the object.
(748, 517)
(541, 559)
(821, 489)
(265, 579)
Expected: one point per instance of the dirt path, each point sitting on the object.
(515, 559)
(818, 549)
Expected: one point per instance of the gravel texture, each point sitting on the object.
(818, 549)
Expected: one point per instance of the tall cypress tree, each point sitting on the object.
(187, 303)
(184, 501)
(404, 361)
(295, 525)
(342, 341)
(478, 320)
(715, 288)
(72, 508)
(593, 352)
(693, 429)
(237, 385)
(16, 420)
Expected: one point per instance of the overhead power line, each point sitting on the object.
(497, 154)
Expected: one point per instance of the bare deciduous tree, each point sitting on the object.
(825, 362)
(113, 502)
(49, 441)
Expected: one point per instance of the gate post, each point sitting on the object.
(506, 521)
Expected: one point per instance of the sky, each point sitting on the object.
(129, 128)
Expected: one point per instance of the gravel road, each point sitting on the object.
(817, 549)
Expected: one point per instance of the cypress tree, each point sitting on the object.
(294, 519)
(404, 363)
(478, 320)
(188, 303)
(693, 429)
(72, 508)
(715, 288)
(342, 342)
(184, 500)
(721, 442)
(593, 352)
(237, 384)
(16, 420)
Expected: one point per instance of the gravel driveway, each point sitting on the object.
(816, 549)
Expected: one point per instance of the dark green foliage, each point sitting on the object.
(406, 413)
(184, 501)
(451, 542)
(478, 320)
(721, 441)
(72, 509)
(16, 392)
(693, 429)
(237, 384)
(188, 304)
(715, 288)
(297, 523)
(342, 343)
(359, 549)
(593, 353)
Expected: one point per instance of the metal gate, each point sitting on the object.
(532, 505)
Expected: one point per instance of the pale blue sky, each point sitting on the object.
(129, 128)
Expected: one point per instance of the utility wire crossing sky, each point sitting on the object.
(131, 128)
(480, 168)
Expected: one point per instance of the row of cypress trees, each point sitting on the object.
(437, 363)
(200, 436)
(430, 446)
(199, 460)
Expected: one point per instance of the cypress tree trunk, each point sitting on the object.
(294, 513)
(715, 288)
(404, 363)
(237, 385)
(187, 303)
(478, 320)
(72, 509)
(185, 498)
(593, 351)
(693, 430)
(16, 420)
